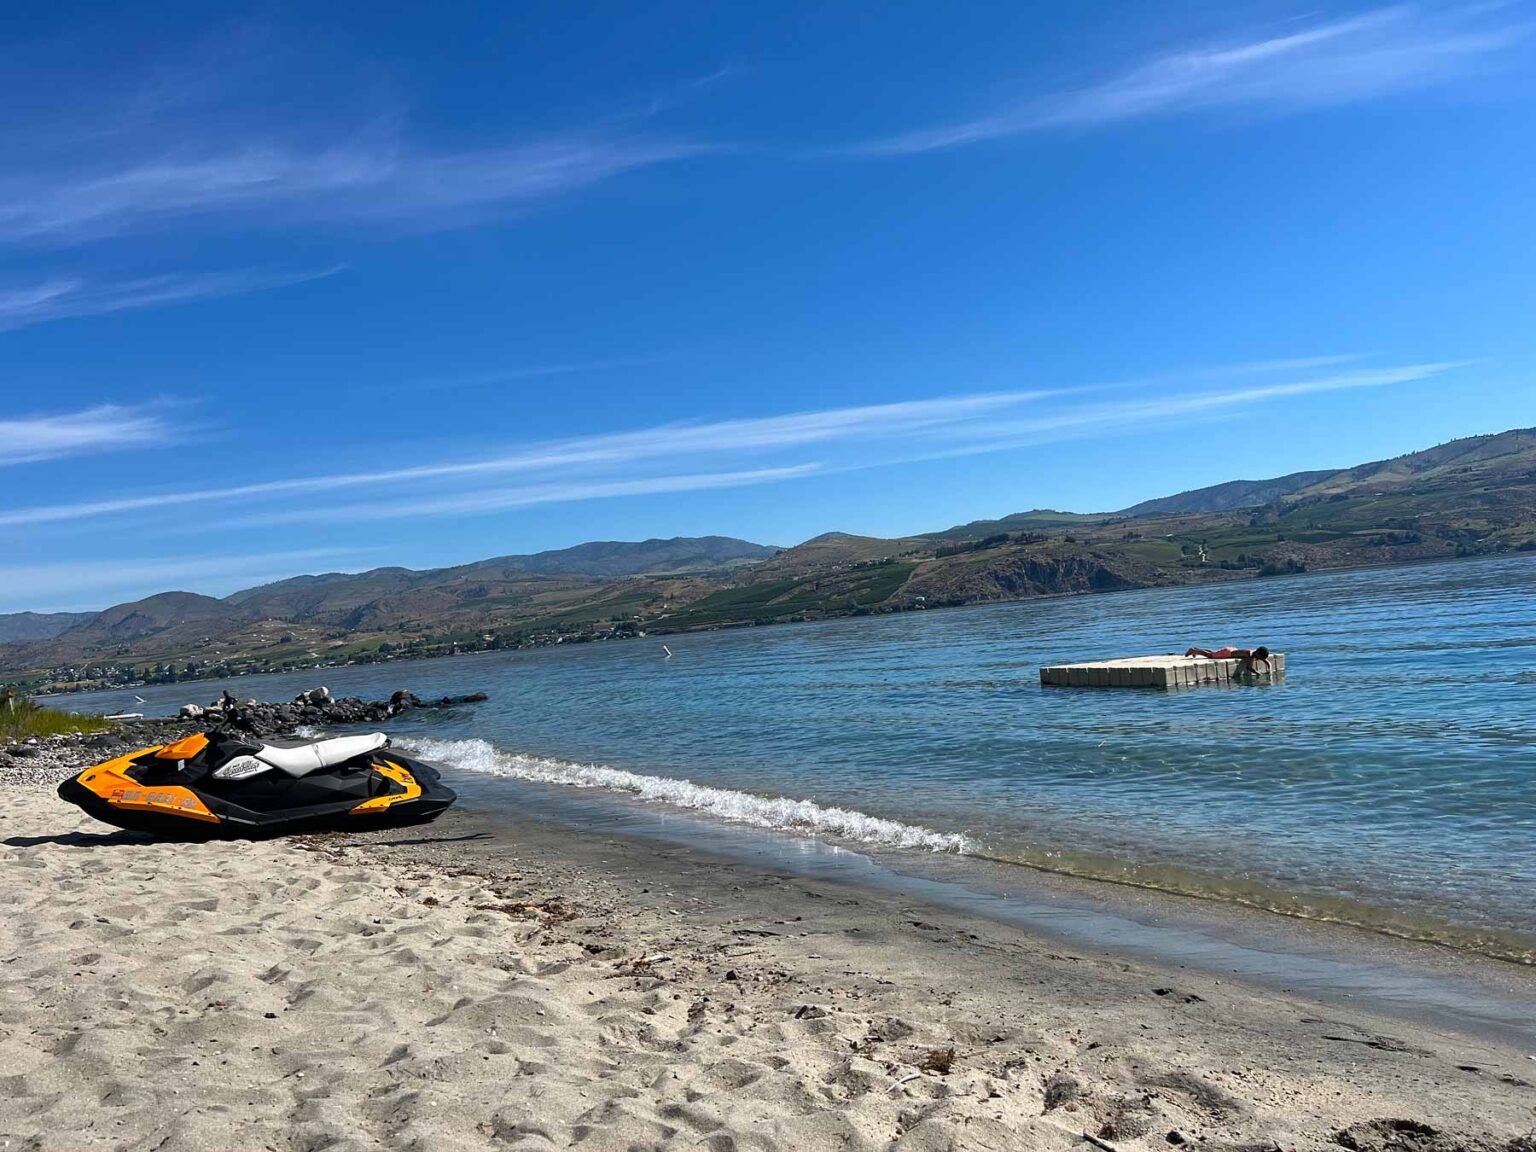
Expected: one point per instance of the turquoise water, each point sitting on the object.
(1390, 779)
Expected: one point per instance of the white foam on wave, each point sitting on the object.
(727, 804)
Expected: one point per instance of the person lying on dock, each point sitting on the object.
(1249, 656)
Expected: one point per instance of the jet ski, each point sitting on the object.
(214, 783)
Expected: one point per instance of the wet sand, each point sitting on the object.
(1425, 982)
(454, 988)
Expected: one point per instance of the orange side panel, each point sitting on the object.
(184, 749)
(111, 782)
(400, 776)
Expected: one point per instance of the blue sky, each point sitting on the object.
(295, 289)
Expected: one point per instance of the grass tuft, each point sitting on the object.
(21, 718)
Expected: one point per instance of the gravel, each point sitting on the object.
(45, 765)
(45, 762)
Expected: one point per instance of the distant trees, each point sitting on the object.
(1286, 566)
(996, 540)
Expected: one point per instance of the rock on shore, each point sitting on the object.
(315, 708)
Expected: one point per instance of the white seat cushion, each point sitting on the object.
(307, 758)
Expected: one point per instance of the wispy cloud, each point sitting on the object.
(724, 437)
(530, 495)
(1380, 52)
(64, 585)
(1291, 364)
(28, 439)
(351, 182)
(63, 297)
(1096, 418)
(208, 150)
(657, 459)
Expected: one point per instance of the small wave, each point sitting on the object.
(806, 816)
(738, 807)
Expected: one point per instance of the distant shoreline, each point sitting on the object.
(654, 631)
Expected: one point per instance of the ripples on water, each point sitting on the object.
(1395, 766)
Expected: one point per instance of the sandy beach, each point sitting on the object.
(406, 991)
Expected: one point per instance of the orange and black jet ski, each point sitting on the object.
(217, 784)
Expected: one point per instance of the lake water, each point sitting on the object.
(1389, 780)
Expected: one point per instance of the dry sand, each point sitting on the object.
(337, 993)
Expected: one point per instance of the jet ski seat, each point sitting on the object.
(312, 755)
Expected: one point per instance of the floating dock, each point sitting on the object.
(1170, 671)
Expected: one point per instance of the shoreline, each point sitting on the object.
(454, 986)
(1421, 981)
(851, 614)
(1502, 945)
(972, 874)
(925, 845)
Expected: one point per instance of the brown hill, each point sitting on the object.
(19, 626)
(1475, 496)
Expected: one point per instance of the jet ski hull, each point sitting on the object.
(160, 791)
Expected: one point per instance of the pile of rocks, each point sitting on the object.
(317, 708)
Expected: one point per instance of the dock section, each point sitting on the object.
(1169, 671)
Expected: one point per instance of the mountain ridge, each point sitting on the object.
(19, 626)
(1230, 495)
(1471, 496)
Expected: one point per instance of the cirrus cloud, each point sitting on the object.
(351, 182)
(645, 460)
(105, 427)
(1333, 62)
(66, 296)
